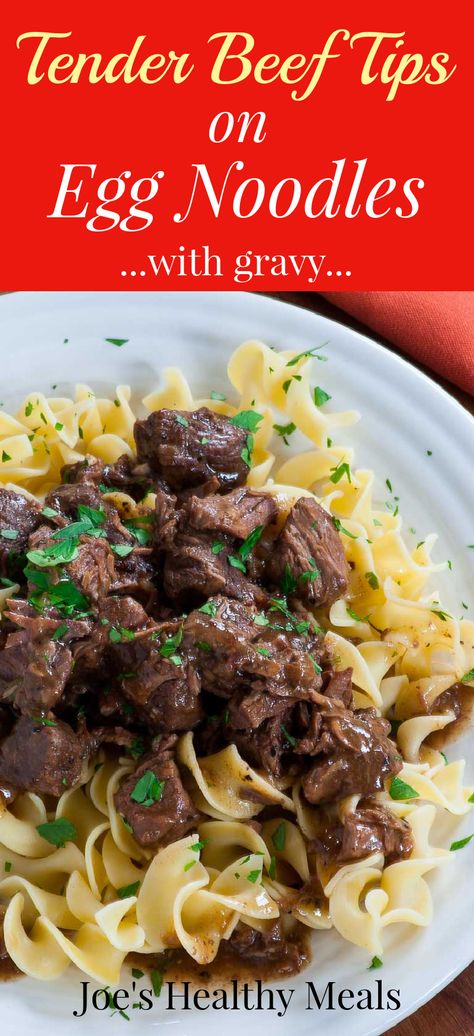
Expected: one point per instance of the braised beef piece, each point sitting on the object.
(125, 475)
(44, 759)
(48, 622)
(193, 571)
(92, 571)
(238, 513)
(166, 519)
(163, 688)
(267, 949)
(169, 815)
(308, 556)
(187, 448)
(93, 655)
(236, 650)
(67, 499)
(369, 829)
(34, 669)
(356, 756)
(19, 517)
(265, 747)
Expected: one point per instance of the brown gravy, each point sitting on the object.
(461, 701)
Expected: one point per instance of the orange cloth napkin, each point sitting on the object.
(436, 328)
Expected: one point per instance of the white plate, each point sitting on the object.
(404, 415)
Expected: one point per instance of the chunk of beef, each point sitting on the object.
(92, 656)
(48, 622)
(308, 555)
(356, 756)
(163, 688)
(19, 517)
(236, 651)
(193, 571)
(237, 513)
(269, 950)
(265, 746)
(187, 448)
(171, 816)
(369, 829)
(67, 499)
(166, 519)
(125, 475)
(34, 669)
(43, 759)
(92, 571)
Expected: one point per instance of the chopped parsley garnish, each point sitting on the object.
(279, 837)
(117, 636)
(143, 536)
(182, 420)
(248, 419)
(42, 721)
(203, 645)
(57, 554)
(261, 620)
(136, 973)
(128, 890)
(63, 595)
(285, 430)
(441, 615)
(460, 845)
(116, 341)
(28, 409)
(5, 456)
(49, 512)
(321, 396)
(400, 790)
(148, 789)
(209, 608)
(187, 866)
(137, 748)
(217, 546)
(372, 580)
(388, 485)
(340, 528)
(236, 563)
(218, 396)
(288, 582)
(306, 354)
(169, 648)
(122, 550)
(264, 651)
(376, 963)
(286, 384)
(289, 737)
(310, 574)
(7, 866)
(254, 876)
(316, 666)
(272, 867)
(339, 472)
(156, 981)
(9, 534)
(250, 542)
(58, 426)
(196, 848)
(58, 832)
(60, 631)
(468, 676)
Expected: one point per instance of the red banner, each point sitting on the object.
(214, 147)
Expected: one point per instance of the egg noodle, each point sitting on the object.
(63, 903)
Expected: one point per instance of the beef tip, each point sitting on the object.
(269, 950)
(369, 829)
(93, 571)
(193, 571)
(93, 654)
(167, 819)
(265, 746)
(356, 758)
(90, 469)
(237, 513)
(34, 669)
(19, 516)
(44, 759)
(236, 651)
(188, 448)
(338, 685)
(166, 519)
(48, 622)
(308, 556)
(66, 500)
(163, 688)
